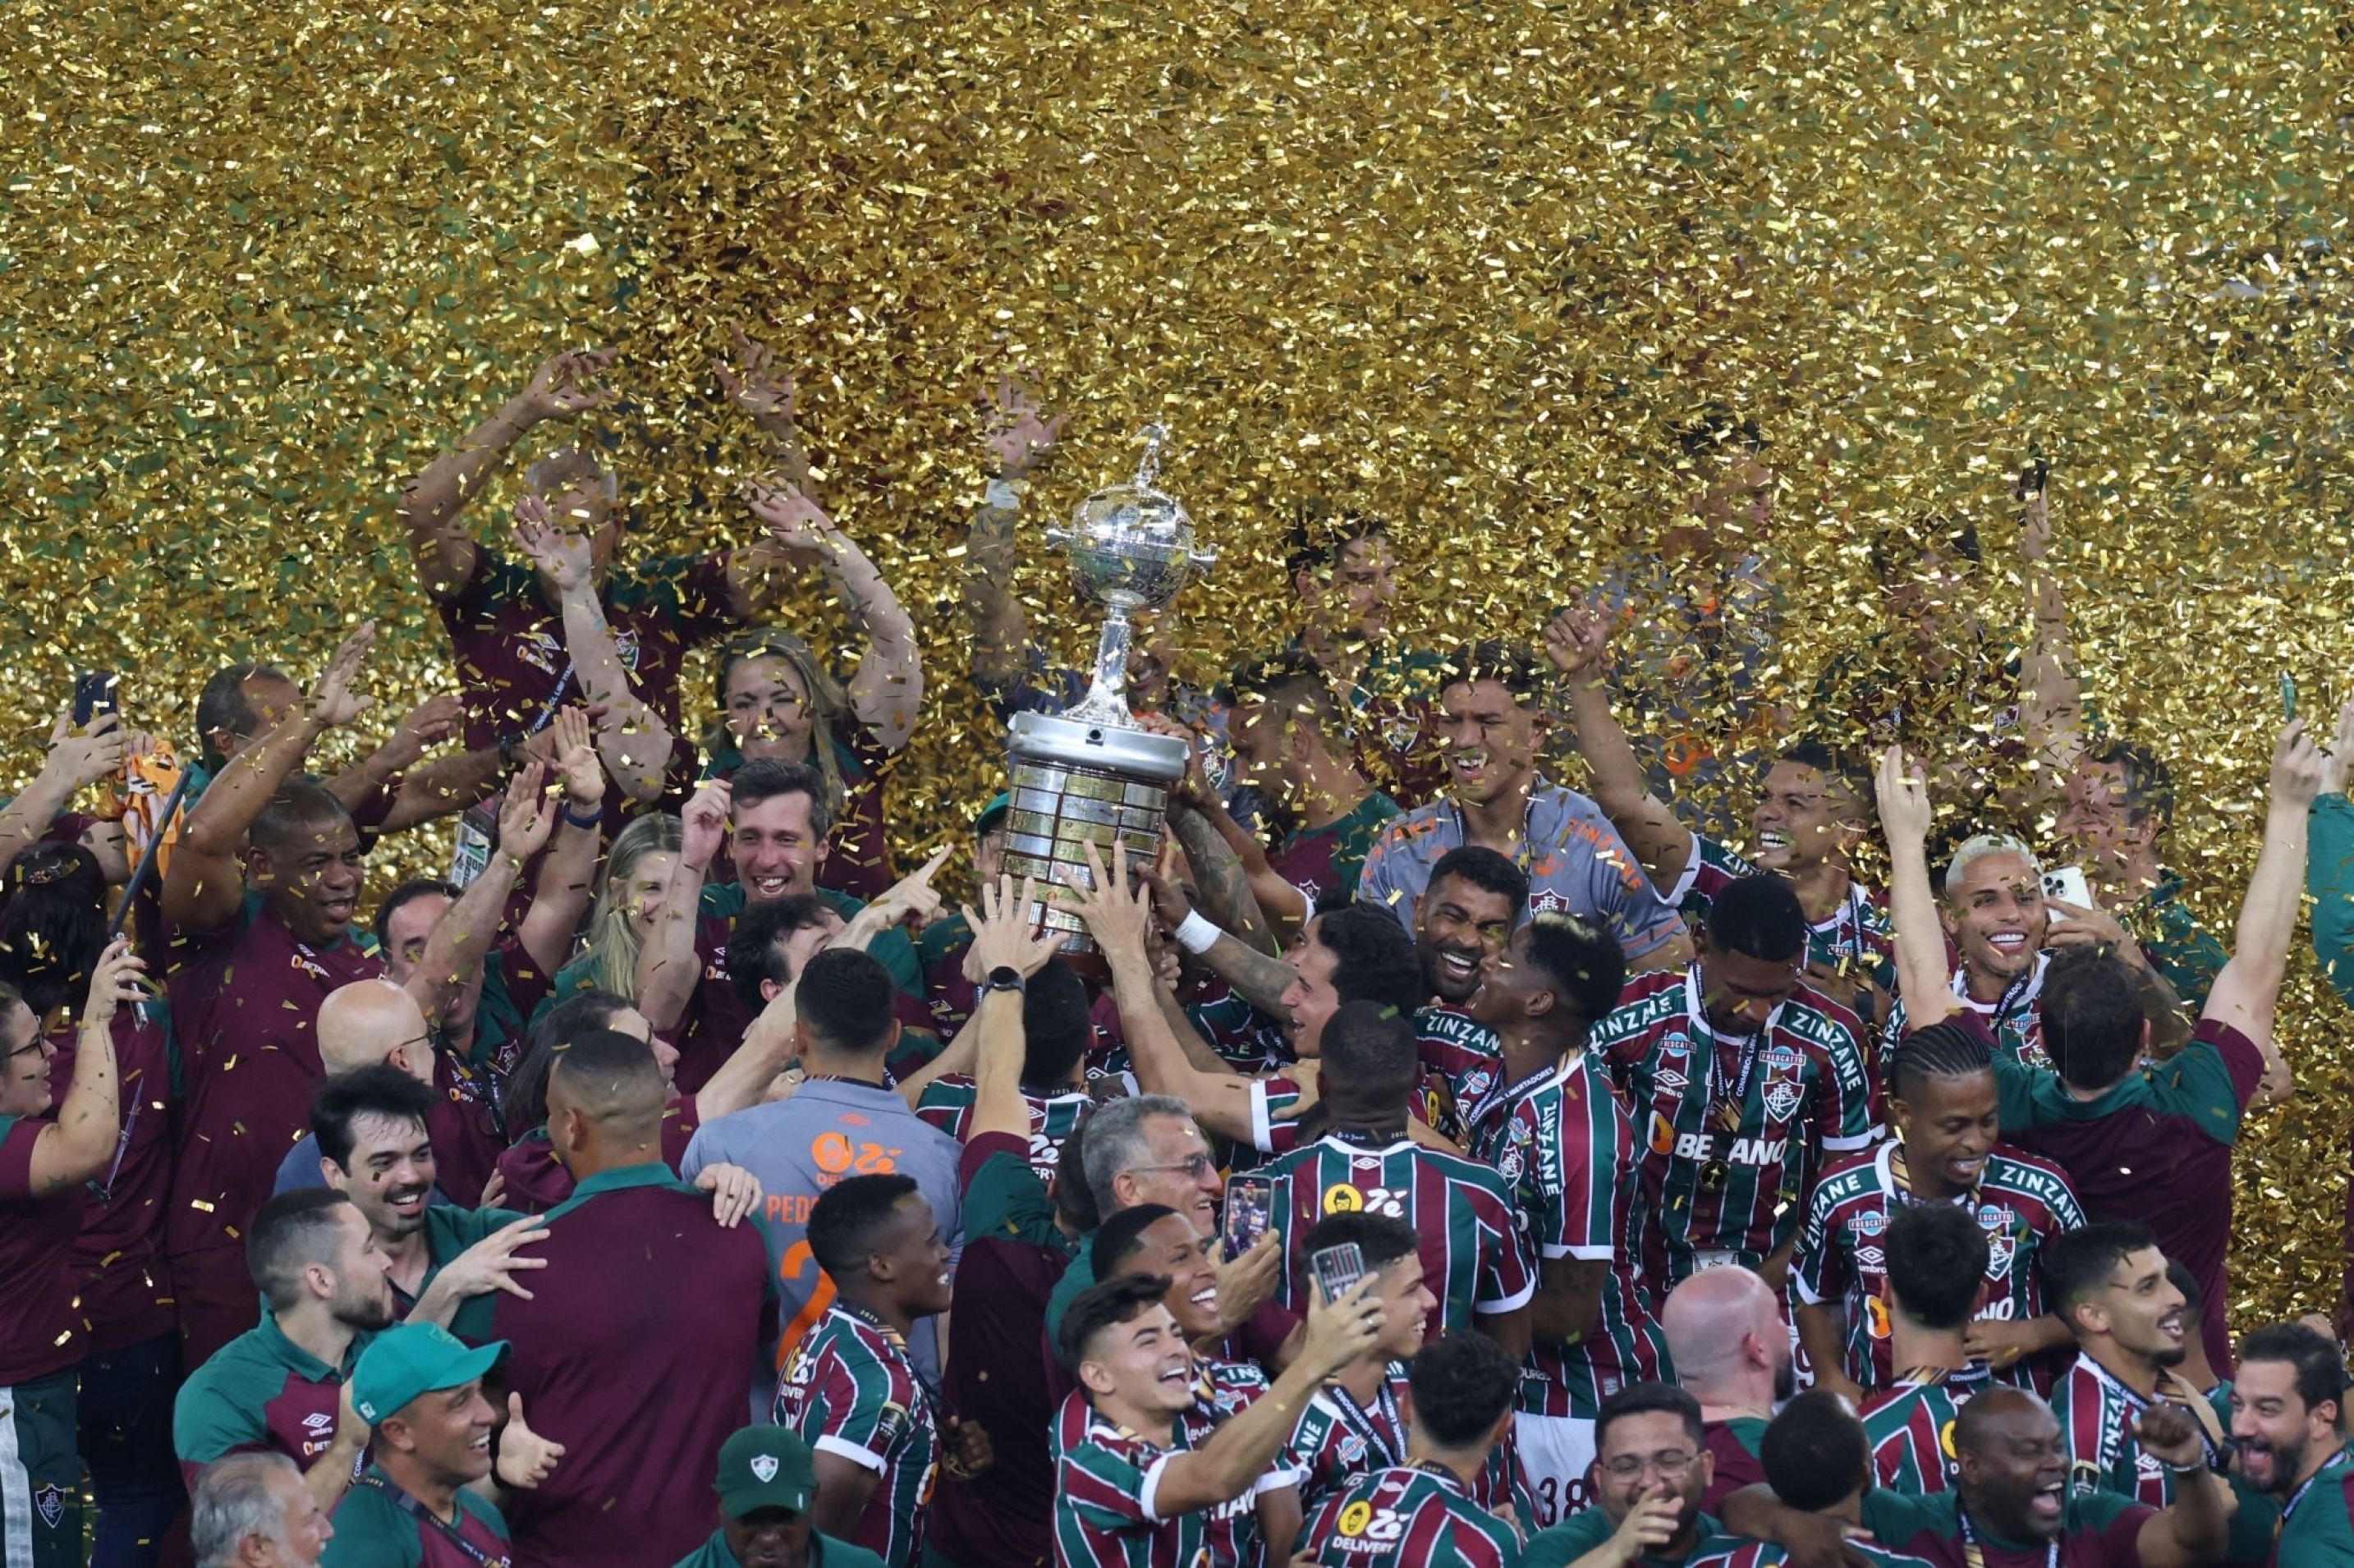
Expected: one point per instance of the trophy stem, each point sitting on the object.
(1107, 698)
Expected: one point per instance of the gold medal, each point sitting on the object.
(1713, 1174)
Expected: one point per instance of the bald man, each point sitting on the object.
(362, 1024)
(639, 1274)
(1732, 1353)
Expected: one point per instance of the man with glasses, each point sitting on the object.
(1142, 1149)
(1651, 1469)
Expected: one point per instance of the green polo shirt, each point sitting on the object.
(2176, 946)
(449, 1231)
(378, 1526)
(825, 1551)
(1580, 1534)
(260, 1392)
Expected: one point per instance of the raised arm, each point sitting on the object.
(1577, 641)
(2329, 863)
(2052, 701)
(631, 737)
(1002, 935)
(2246, 994)
(742, 1080)
(667, 968)
(1921, 981)
(2195, 1528)
(455, 948)
(887, 689)
(1019, 439)
(77, 1145)
(1258, 978)
(1222, 878)
(204, 886)
(560, 894)
(74, 760)
(566, 385)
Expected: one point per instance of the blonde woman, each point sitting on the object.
(637, 875)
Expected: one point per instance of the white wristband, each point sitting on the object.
(1197, 933)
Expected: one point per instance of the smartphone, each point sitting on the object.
(2288, 698)
(93, 693)
(2067, 883)
(1338, 1269)
(1250, 1200)
(2037, 477)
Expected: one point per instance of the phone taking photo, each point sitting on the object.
(1249, 1203)
(2067, 884)
(1337, 1269)
(2288, 698)
(93, 693)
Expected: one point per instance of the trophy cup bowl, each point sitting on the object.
(1092, 774)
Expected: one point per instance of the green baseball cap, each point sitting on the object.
(992, 816)
(764, 1466)
(411, 1358)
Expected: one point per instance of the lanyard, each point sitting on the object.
(1498, 1107)
(555, 699)
(2113, 1436)
(485, 1089)
(934, 1404)
(410, 1505)
(1360, 1421)
(2303, 1487)
(1975, 1558)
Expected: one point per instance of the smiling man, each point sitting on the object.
(2288, 1419)
(768, 1487)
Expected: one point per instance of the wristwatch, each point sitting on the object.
(1004, 977)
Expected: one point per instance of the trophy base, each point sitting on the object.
(1076, 783)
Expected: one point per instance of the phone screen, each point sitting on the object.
(1248, 1200)
(1338, 1269)
(93, 695)
(2288, 699)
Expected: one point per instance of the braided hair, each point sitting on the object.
(1936, 1051)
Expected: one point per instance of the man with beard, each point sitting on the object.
(1651, 1469)
(1565, 1143)
(2011, 1507)
(281, 1385)
(1492, 724)
(774, 817)
(767, 1489)
(1732, 1353)
(2288, 1418)
(1745, 1082)
(1811, 812)
(2151, 1146)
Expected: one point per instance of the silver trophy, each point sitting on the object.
(1091, 774)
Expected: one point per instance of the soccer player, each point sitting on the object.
(2148, 1146)
(638, 1276)
(1936, 1262)
(768, 1489)
(1151, 1483)
(1942, 1102)
(1344, 570)
(850, 1390)
(774, 817)
(1817, 1460)
(2010, 1503)
(1475, 900)
(1651, 1470)
(1745, 1081)
(1422, 1507)
(1291, 746)
(433, 1454)
(1492, 726)
(43, 1160)
(1143, 1149)
(281, 1385)
(1732, 1353)
(1473, 1254)
(1566, 1144)
(2108, 1284)
(1810, 814)
(1357, 1423)
(252, 1511)
(2288, 1417)
(1058, 1031)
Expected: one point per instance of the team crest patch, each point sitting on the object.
(1509, 1164)
(763, 1467)
(1782, 1100)
(1548, 902)
(50, 1502)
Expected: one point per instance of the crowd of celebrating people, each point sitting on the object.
(680, 1182)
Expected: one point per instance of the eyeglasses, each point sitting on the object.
(31, 1047)
(1672, 1466)
(1199, 1166)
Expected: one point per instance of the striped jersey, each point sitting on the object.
(1856, 938)
(1222, 1389)
(2020, 1204)
(1473, 1256)
(1802, 1094)
(849, 1389)
(1566, 1148)
(2097, 1412)
(1462, 1069)
(1762, 1554)
(1412, 1516)
(1104, 1513)
(948, 1100)
(2016, 1018)
(1338, 1440)
(1909, 1426)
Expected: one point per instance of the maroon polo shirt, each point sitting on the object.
(509, 640)
(635, 1351)
(245, 1000)
(118, 1258)
(40, 1331)
(536, 1181)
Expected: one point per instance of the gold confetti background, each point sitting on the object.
(1463, 265)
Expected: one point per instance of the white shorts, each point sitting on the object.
(1556, 1453)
